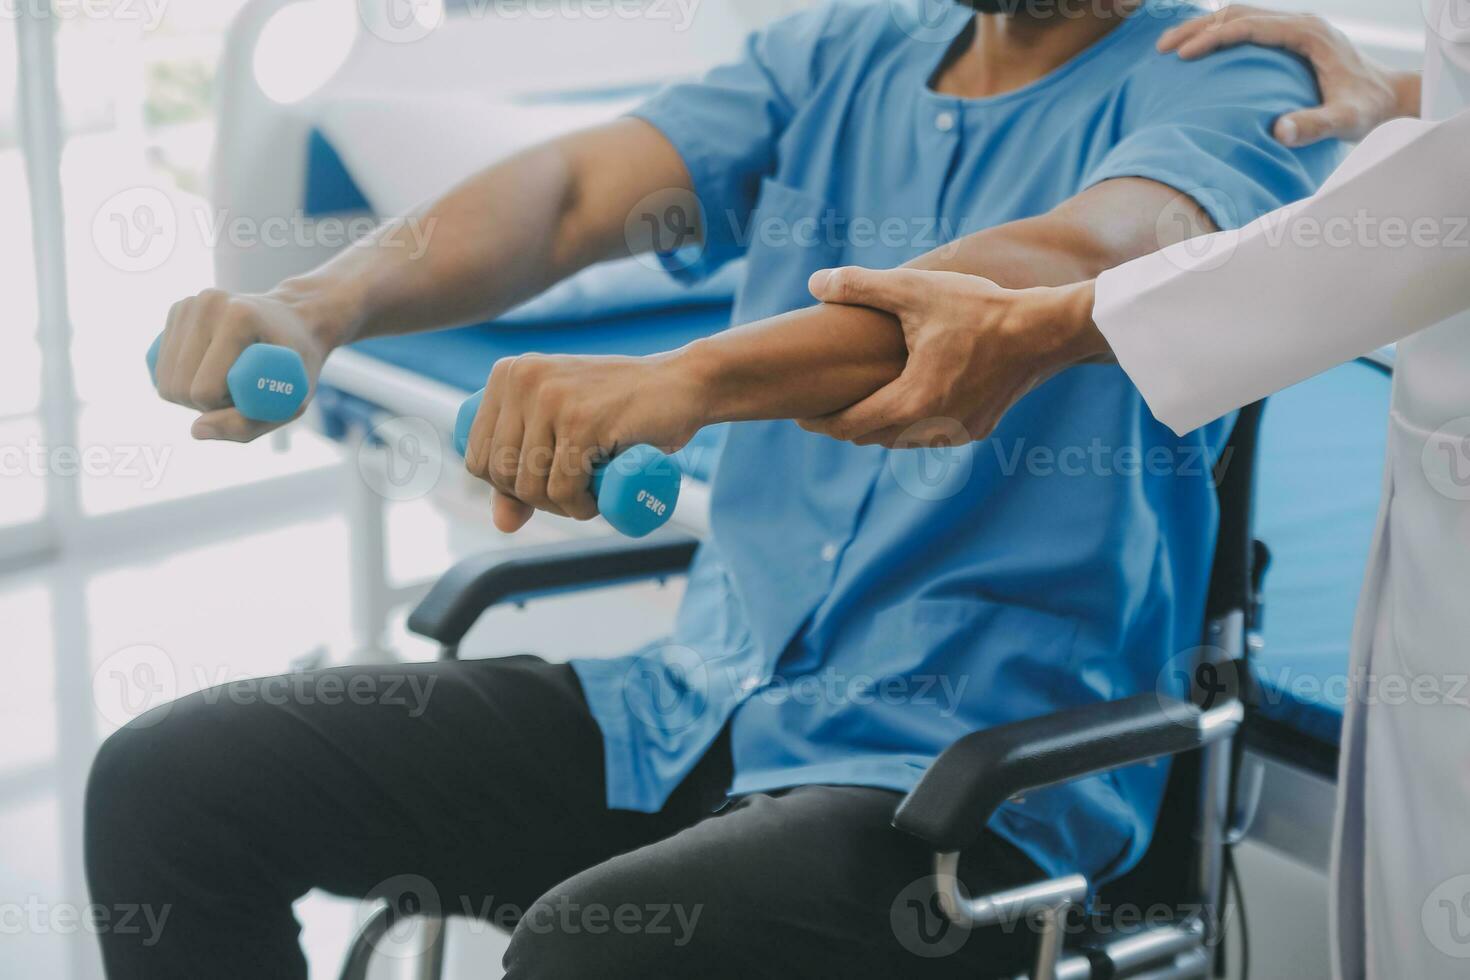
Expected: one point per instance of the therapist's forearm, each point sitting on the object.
(496, 240)
(818, 360)
(1378, 254)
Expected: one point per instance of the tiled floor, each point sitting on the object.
(192, 618)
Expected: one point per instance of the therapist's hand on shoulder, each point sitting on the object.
(1357, 95)
(975, 349)
(545, 420)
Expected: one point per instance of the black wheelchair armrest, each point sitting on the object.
(973, 777)
(476, 584)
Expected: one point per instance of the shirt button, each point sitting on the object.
(944, 122)
(829, 551)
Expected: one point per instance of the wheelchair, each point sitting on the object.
(1207, 805)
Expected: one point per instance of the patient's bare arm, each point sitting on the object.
(504, 235)
(499, 238)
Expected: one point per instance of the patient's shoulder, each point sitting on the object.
(1248, 71)
(1223, 102)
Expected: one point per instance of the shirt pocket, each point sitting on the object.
(791, 234)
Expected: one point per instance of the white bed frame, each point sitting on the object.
(259, 172)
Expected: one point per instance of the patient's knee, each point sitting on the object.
(129, 770)
(155, 774)
(576, 931)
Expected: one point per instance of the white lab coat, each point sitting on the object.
(1205, 327)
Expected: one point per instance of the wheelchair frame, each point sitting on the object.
(969, 780)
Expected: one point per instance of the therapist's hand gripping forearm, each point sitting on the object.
(977, 348)
(986, 319)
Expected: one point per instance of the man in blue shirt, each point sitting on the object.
(856, 609)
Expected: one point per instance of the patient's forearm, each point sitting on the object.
(494, 241)
(819, 360)
(808, 362)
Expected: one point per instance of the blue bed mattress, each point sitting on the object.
(462, 358)
(1317, 499)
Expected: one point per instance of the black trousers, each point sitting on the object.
(477, 788)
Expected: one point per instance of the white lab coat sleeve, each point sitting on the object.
(1381, 251)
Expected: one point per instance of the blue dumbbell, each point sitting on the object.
(267, 383)
(636, 491)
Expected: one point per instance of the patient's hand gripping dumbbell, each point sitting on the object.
(636, 491)
(267, 383)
